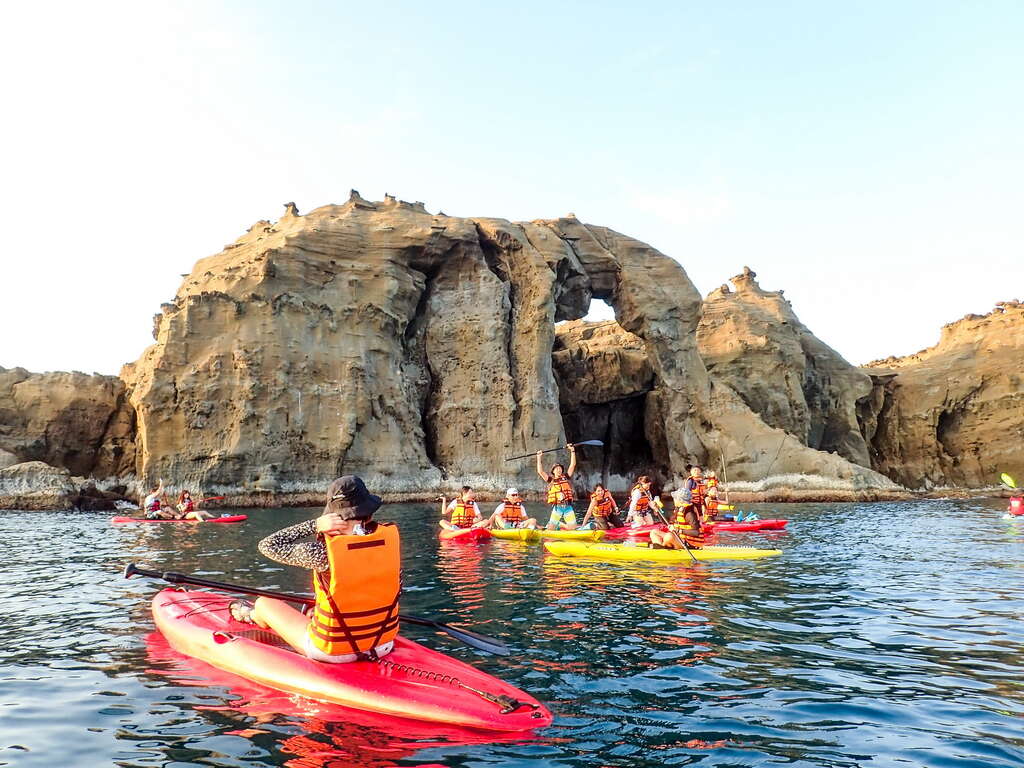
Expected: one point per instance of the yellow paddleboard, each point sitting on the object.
(630, 552)
(526, 534)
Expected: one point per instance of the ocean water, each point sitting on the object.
(887, 634)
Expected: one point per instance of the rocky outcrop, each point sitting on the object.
(36, 485)
(604, 379)
(73, 421)
(953, 414)
(417, 350)
(751, 340)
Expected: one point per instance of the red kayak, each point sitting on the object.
(228, 519)
(464, 534)
(721, 526)
(412, 681)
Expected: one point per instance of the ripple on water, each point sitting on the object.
(887, 634)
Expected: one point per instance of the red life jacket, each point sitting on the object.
(560, 485)
(605, 504)
(1016, 506)
(464, 513)
(513, 512)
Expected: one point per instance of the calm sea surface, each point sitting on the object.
(886, 634)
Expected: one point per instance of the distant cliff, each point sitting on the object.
(952, 415)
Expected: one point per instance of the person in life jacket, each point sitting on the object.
(154, 508)
(560, 494)
(641, 503)
(463, 511)
(603, 510)
(187, 509)
(511, 513)
(356, 566)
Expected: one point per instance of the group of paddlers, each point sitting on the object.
(694, 503)
(157, 506)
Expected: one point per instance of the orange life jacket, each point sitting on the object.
(513, 512)
(464, 513)
(356, 605)
(188, 505)
(697, 492)
(560, 485)
(711, 482)
(689, 535)
(604, 502)
(644, 502)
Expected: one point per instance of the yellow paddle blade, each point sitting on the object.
(727, 507)
(1007, 480)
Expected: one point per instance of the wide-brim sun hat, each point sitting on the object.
(348, 498)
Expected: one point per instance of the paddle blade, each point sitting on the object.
(480, 642)
(589, 442)
(1008, 481)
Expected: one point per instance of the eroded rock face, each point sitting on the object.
(36, 485)
(416, 350)
(604, 379)
(953, 414)
(74, 421)
(752, 340)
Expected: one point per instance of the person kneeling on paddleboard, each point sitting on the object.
(560, 496)
(640, 501)
(603, 510)
(356, 566)
(511, 513)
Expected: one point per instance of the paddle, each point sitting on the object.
(210, 498)
(682, 543)
(1008, 482)
(474, 639)
(551, 450)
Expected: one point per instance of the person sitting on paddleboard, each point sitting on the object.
(603, 510)
(356, 564)
(640, 501)
(463, 510)
(152, 506)
(560, 495)
(187, 507)
(511, 513)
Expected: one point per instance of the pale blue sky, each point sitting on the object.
(866, 157)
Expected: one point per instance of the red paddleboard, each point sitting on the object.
(723, 526)
(228, 519)
(464, 534)
(412, 681)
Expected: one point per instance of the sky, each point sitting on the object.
(864, 157)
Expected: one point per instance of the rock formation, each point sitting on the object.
(416, 349)
(36, 485)
(751, 340)
(72, 421)
(953, 414)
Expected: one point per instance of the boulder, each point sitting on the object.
(36, 485)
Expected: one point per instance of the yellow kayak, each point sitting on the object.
(527, 534)
(632, 552)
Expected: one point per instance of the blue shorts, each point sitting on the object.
(562, 514)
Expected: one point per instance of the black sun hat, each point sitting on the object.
(349, 498)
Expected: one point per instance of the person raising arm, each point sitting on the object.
(560, 495)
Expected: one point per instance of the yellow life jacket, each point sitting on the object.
(463, 513)
(356, 605)
(560, 490)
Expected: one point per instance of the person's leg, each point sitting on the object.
(279, 616)
(531, 523)
(569, 519)
(446, 524)
(553, 520)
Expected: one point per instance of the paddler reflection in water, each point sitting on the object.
(356, 566)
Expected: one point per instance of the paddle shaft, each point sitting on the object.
(552, 450)
(673, 531)
(475, 639)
